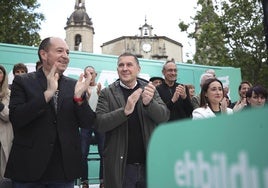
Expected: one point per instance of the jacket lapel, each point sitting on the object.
(62, 88)
(117, 93)
(42, 79)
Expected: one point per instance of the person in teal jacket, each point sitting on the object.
(127, 112)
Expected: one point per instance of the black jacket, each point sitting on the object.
(37, 128)
(182, 108)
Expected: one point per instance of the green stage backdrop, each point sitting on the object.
(229, 151)
(105, 65)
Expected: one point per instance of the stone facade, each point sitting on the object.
(156, 47)
(146, 45)
(79, 29)
(80, 35)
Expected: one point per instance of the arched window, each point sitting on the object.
(78, 41)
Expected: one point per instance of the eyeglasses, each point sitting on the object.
(171, 70)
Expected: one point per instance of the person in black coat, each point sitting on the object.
(175, 95)
(46, 111)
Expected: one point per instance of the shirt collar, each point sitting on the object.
(126, 87)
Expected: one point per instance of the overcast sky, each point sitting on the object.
(115, 18)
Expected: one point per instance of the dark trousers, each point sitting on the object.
(135, 176)
(55, 184)
(86, 140)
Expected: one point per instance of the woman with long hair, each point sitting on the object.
(212, 100)
(6, 131)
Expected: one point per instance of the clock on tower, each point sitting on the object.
(146, 47)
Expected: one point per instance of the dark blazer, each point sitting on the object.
(37, 125)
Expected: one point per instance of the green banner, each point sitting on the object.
(105, 65)
(222, 152)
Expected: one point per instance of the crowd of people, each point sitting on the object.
(48, 120)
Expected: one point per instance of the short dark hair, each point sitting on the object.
(129, 54)
(244, 82)
(19, 66)
(43, 46)
(258, 90)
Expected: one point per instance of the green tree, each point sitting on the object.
(210, 45)
(244, 35)
(231, 33)
(19, 22)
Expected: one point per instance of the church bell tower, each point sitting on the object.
(79, 29)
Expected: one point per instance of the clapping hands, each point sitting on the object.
(147, 95)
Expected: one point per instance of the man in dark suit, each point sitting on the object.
(46, 111)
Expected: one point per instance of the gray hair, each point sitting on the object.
(204, 77)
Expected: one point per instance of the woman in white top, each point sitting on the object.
(212, 100)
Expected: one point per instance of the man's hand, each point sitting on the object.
(240, 104)
(131, 101)
(52, 83)
(179, 92)
(82, 85)
(148, 93)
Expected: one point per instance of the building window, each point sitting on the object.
(78, 42)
